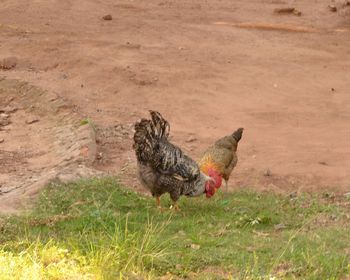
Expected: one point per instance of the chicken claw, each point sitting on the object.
(176, 207)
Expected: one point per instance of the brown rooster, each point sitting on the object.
(163, 167)
(221, 158)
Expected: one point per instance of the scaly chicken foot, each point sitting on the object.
(175, 206)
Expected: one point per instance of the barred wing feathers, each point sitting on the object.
(152, 147)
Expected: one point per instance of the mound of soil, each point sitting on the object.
(42, 141)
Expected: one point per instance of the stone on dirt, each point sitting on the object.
(31, 121)
(287, 10)
(191, 138)
(107, 17)
(267, 172)
(332, 8)
(8, 63)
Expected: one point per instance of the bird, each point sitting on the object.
(163, 167)
(221, 158)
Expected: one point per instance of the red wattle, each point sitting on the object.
(216, 176)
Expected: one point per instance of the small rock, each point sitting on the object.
(107, 17)
(280, 226)
(144, 83)
(64, 76)
(332, 8)
(328, 195)
(287, 10)
(9, 109)
(132, 45)
(4, 122)
(322, 163)
(99, 156)
(2, 140)
(31, 121)
(191, 138)
(53, 97)
(66, 177)
(8, 63)
(195, 246)
(293, 195)
(347, 195)
(250, 249)
(4, 116)
(297, 13)
(332, 89)
(267, 172)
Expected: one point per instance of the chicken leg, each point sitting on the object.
(158, 204)
(226, 186)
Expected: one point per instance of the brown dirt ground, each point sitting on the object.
(209, 67)
(42, 140)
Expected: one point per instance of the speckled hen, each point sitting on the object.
(163, 167)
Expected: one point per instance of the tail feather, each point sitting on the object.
(160, 125)
(147, 135)
(238, 134)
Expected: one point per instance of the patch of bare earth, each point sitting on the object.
(208, 66)
(41, 141)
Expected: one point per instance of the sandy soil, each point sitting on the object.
(209, 67)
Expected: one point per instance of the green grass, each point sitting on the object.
(97, 230)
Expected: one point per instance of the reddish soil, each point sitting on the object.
(209, 67)
(42, 140)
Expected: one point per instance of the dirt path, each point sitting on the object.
(209, 67)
